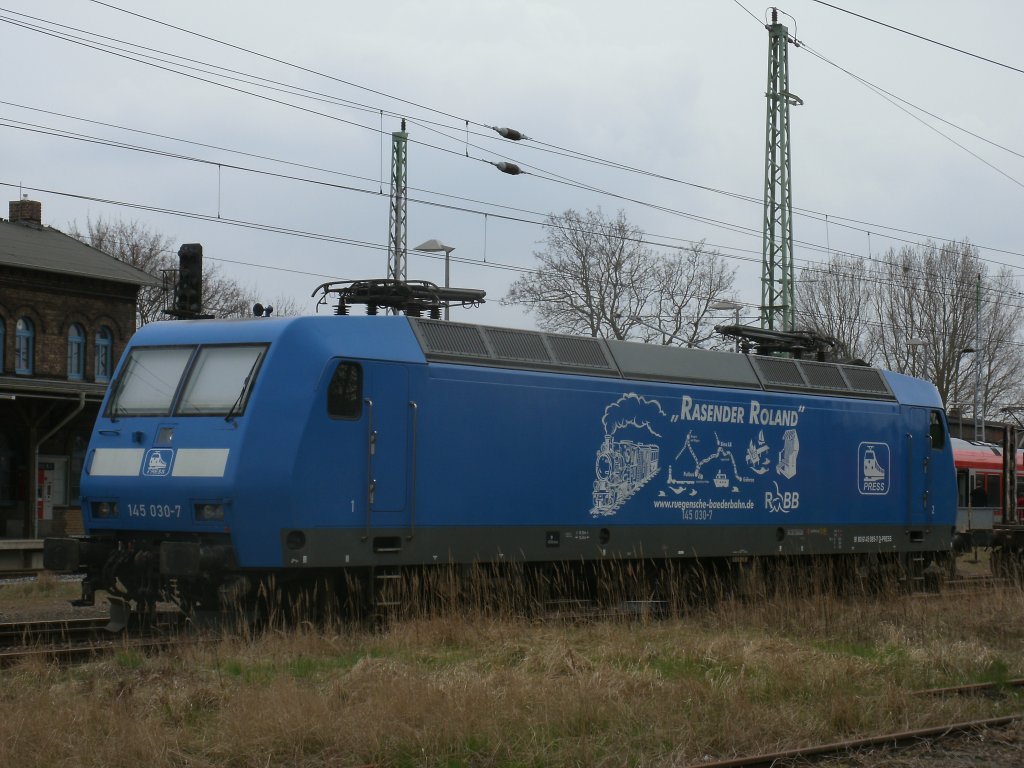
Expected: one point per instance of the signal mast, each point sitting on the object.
(396, 293)
(777, 305)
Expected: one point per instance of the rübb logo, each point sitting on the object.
(158, 462)
(873, 469)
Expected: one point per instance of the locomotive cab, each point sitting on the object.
(157, 483)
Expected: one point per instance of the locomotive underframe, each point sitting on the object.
(202, 573)
(344, 547)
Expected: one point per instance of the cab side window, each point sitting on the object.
(937, 431)
(345, 392)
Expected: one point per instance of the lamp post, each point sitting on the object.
(956, 386)
(436, 246)
(726, 304)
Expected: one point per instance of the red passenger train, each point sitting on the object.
(990, 503)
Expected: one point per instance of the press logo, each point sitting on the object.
(873, 469)
(157, 462)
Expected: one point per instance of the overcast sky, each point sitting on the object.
(673, 89)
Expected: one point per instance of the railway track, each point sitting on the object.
(976, 582)
(74, 640)
(888, 741)
(78, 652)
(29, 633)
(20, 574)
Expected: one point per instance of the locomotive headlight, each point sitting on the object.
(206, 512)
(104, 509)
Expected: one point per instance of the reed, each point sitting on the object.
(482, 672)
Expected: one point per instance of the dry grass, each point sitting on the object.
(466, 689)
(45, 585)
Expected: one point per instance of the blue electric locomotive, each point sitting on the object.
(229, 450)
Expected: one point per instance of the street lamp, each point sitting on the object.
(726, 304)
(956, 386)
(436, 246)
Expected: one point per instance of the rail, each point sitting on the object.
(888, 740)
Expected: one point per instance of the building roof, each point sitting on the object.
(31, 246)
(20, 387)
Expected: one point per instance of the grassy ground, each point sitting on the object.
(746, 676)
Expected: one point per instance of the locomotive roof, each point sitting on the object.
(535, 350)
(418, 340)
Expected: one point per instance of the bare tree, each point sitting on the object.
(947, 312)
(688, 283)
(1001, 355)
(834, 300)
(594, 277)
(930, 307)
(153, 252)
(899, 297)
(597, 277)
(134, 244)
(225, 297)
(925, 306)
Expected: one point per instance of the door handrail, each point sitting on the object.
(412, 465)
(371, 448)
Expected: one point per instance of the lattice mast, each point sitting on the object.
(777, 303)
(397, 250)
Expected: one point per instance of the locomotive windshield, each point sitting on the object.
(217, 380)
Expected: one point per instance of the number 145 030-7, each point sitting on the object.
(154, 510)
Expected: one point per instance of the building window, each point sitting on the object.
(76, 352)
(104, 353)
(24, 346)
(2, 346)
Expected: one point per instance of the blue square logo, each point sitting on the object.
(157, 462)
(873, 470)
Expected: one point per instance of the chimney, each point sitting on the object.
(30, 211)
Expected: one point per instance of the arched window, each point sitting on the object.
(76, 352)
(24, 346)
(104, 353)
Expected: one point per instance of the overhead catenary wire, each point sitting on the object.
(892, 100)
(540, 220)
(926, 39)
(623, 166)
(431, 125)
(221, 164)
(255, 225)
(377, 246)
(812, 267)
(591, 188)
(540, 173)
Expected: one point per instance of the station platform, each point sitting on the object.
(21, 554)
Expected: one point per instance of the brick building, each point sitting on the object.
(66, 312)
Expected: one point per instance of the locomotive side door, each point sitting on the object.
(920, 504)
(387, 412)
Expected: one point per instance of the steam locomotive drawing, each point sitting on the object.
(622, 468)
